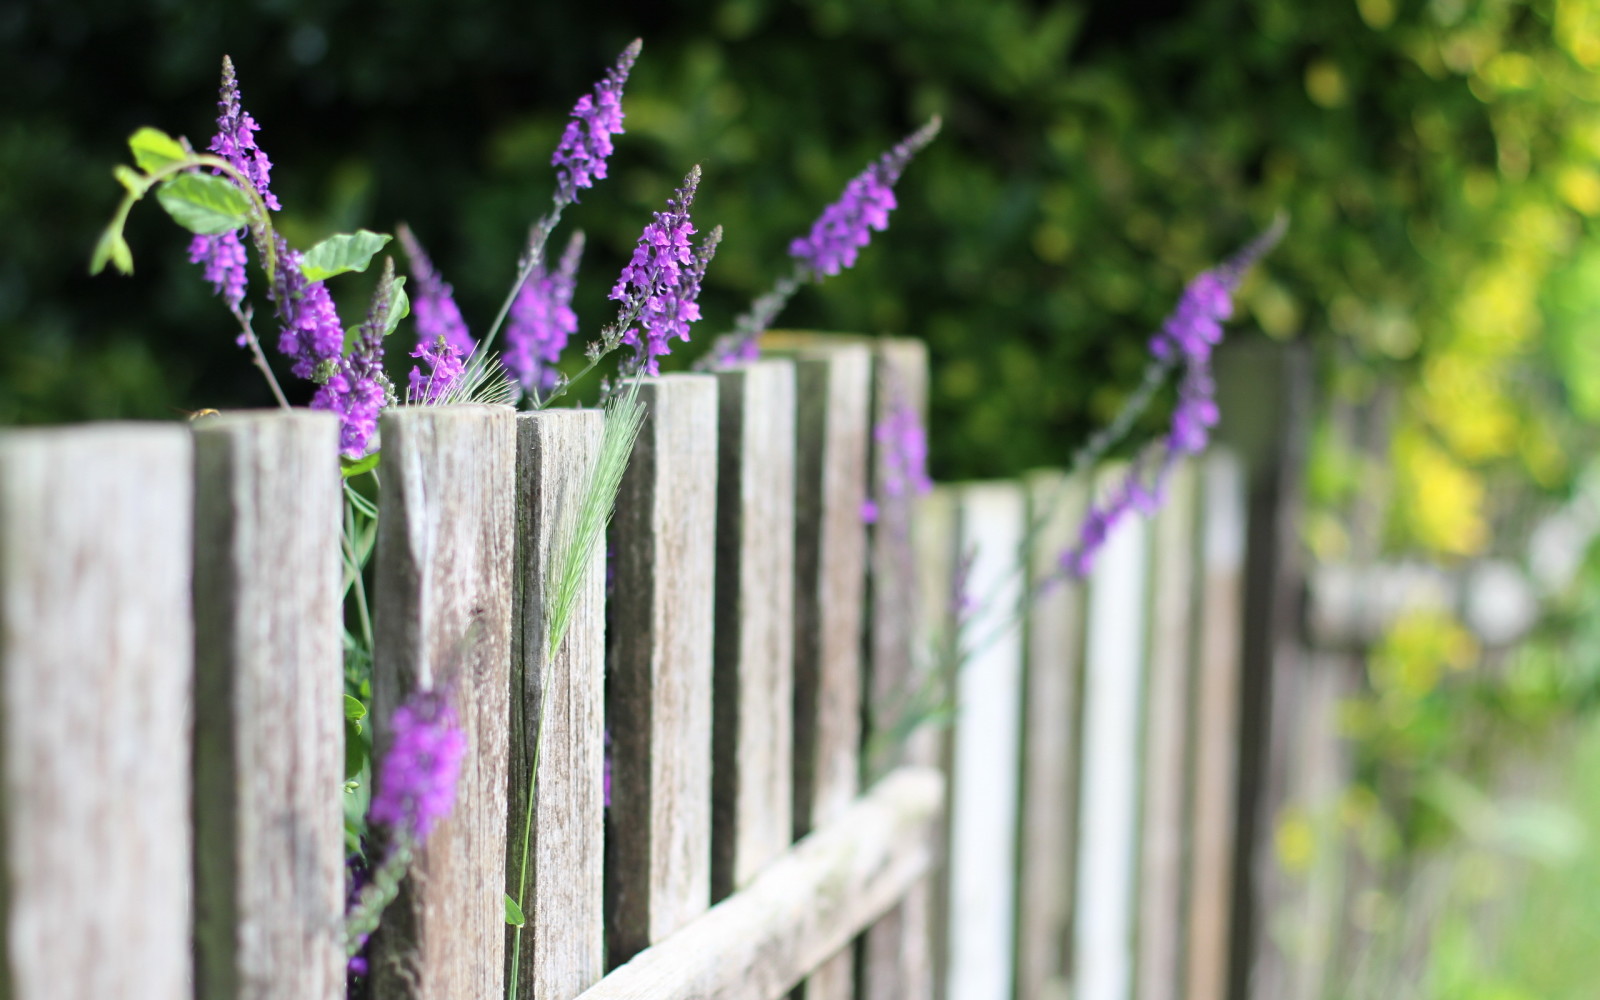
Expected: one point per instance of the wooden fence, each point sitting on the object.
(171, 740)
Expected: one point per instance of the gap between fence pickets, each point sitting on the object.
(761, 941)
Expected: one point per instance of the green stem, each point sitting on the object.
(536, 244)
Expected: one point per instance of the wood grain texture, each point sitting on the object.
(1163, 839)
(96, 663)
(269, 735)
(759, 942)
(834, 388)
(563, 941)
(1052, 696)
(1103, 921)
(986, 739)
(753, 728)
(443, 592)
(658, 834)
(896, 952)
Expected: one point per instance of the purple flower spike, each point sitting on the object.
(542, 321)
(661, 284)
(903, 457)
(433, 302)
(446, 367)
(235, 139)
(417, 778)
(580, 158)
(223, 257)
(312, 334)
(846, 225)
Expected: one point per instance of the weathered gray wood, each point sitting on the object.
(896, 952)
(1104, 904)
(1051, 705)
(658, 847)
(1163, 834)
(443, 620)
(834, 388)
(269, 739)
(758, 943)
(984, 758)
(96, 662)
(562, 950)
(753, 701)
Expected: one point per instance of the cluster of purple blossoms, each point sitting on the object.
(223, 254)
(312, 334)
(580, 157)
(433, 302)
(903, 461)
(542, 321)
(846, 225)
(358, 389)
(417, 779)
(445, 367)
(661, 284)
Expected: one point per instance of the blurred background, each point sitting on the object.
(1429, 320)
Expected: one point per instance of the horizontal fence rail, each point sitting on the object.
(856, 740)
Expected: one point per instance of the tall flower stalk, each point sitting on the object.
(832, 245)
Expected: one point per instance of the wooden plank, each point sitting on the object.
(658, 843)
(96, 663)
(1163, 829)
(985, 753)
(269, 738)
(896, 952)
(562, 951)
(934, 531)
(753, 697)
(1103, 923)
(833, 385)
(1216, 725)
(758, 943)
(443, 622)
(1052, 697)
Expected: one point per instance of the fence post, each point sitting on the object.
(269, 740)
(443, 621)
(934, 535)
(1103, 922)
(1052, 700)
(833, 386)
(896, 959)
(753, 701)
(1163, 838)
(986, 739)
(658, 836)
(96, 662)
(562, 951)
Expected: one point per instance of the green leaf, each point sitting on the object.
(355, 750)
(353, 709)
(340, 253)
(131, 179)
(154, 149)
(204, 204)
(358, 466)
(399, 306)
(514, 915)
(113, 249)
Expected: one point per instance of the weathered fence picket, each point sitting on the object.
(563, 946)
(268, 739)
(443, 599)
(96, 662)
(780, 699)
(658, 838)
(753, 701)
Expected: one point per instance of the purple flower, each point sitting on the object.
(580, 158)
(417, 778)
(660, 285)
(357, 400)
(1195, 326)
(903, 456)
(224, 259)
(1196, 412)
(235, 139)
(311, 333)
(542, 321)
(445, 368)
(846, 225)
(432, 301)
